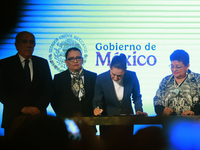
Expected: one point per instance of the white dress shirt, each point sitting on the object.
(119, 89)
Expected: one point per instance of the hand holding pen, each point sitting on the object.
(97, 111)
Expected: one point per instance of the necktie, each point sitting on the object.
(27, 70)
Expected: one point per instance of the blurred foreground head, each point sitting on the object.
(39, 132)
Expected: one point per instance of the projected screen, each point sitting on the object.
(147, 32)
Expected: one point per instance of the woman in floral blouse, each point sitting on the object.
(178, 93)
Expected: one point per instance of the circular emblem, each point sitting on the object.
(59, 47)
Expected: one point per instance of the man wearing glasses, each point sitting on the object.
(178, 93)
(74, 88)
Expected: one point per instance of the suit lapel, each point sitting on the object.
(86, 82)
(18, 70)
(68, 79)
(17, 64)
(37, 71)
(34, 62)
(110, 88)
(127, 87)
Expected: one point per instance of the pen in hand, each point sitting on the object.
(97, 111)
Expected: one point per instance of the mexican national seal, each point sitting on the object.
(59, 47)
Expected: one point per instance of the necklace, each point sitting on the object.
(176, 90)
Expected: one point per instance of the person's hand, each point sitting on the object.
(141, 113)
(97, 111)
(167, 111)
(30, 110)
(188, 113)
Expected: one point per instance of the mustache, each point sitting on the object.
(28, 49)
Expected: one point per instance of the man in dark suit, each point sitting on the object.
(25, 82)
(74, 88)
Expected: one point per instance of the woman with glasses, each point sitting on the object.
(178, 93)
(74, 87)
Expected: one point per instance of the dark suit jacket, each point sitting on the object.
(106, 98)
(65, 103)
(16, 92)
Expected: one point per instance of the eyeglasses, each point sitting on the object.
(175, 67)
(72, 59)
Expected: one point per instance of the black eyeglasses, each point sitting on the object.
(72, 59)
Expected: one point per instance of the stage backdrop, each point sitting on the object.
(146, 31)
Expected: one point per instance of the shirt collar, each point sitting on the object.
(22, 58)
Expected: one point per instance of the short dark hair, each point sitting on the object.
(181, 56)
(119, 62)
(19, 35)
(72, 49)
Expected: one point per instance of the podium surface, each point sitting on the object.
(134, 119)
